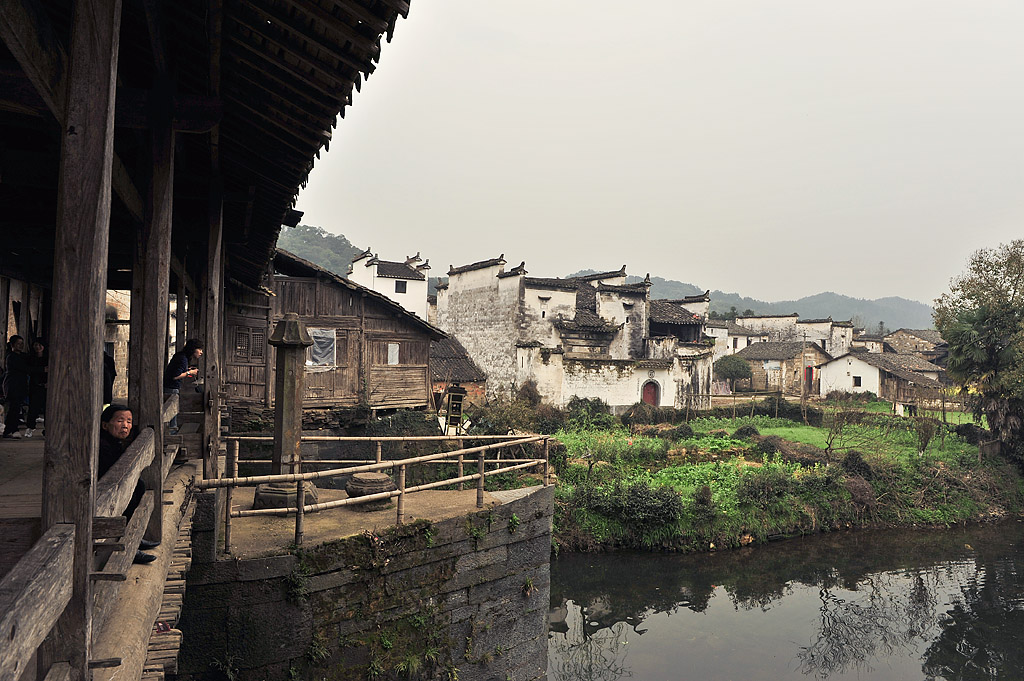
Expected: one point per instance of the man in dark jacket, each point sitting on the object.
(178, 369)
(15, 385)
(115, 430)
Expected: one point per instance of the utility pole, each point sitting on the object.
(803, 378)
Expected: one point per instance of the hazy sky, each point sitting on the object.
(776, 149)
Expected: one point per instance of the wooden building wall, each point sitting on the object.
(379, 355)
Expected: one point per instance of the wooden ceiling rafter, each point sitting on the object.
(337, 81)
(305, 33)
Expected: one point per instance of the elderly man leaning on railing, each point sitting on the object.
(115, 431)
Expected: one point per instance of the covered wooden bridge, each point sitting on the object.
(155, 147)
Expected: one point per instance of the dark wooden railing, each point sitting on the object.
(35, 592)
(32, 597)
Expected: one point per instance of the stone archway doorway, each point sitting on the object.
(651, 393)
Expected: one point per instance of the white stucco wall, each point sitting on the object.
(838, 375)
(414, 299)
(483, 312)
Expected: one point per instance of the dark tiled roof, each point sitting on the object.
(397, 270)
(699, 298)
(779, 350)
(290, 264)
(770, 316)
(621, 272)
(483, 264)
(904, 366)
(826, 320)
(432, 300)
(584, 321)
(892, 361)
(449, 361)
(930, 335)
(848, 324)
(548, 282)
(515, 271)
(669, 312)
(733, 328)
(627, 289)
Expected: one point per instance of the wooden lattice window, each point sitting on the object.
(250, 344)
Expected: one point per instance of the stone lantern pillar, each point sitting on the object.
(291, 340)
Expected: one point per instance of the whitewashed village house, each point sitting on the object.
(403, 282)
(903, 379)
(730, 337)
(833, 337)
(589, 336)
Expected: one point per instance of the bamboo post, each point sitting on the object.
(300, 510)
(229, 492)
(378, 451)
(401, 494)
(547, 467)
(462, 486)
(480, 480)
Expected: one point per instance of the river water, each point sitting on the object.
(885, 605)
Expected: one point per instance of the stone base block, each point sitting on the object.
(282, 495)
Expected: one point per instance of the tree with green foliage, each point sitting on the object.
(731, 367)
(331, 251)
(981, 319)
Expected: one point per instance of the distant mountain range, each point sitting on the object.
(893, 312)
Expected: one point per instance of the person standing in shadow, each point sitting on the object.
(15, 386)
(37, 361)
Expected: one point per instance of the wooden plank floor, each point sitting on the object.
(21, 493)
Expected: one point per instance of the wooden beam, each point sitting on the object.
(78, 306)
(33, 595)
(27, 33)
(155, 295)
(212, 325)
(155, 24)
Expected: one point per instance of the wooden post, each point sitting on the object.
(213, 351)
(480, 481)
(155, 299)
(401, 494)
(290, 340)
(229, 492)
(462, 445)
(378, 451)
(179, 313)
(300, 510)
(79, 290)
(547, 463)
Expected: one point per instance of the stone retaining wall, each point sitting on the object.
(462, 598)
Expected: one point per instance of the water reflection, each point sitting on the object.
(920, 605)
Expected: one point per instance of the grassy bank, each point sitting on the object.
(716, 483)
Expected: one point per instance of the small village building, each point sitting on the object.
(788, 366)
(367, 349)
(925, 343)
(870, 343)
(901, 378)
(832, 336)
(403, 282)
(451, 365)
(730, 337)
(592, 336)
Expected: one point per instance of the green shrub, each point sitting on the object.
(584, 413)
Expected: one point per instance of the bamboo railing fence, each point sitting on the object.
(457, 457)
